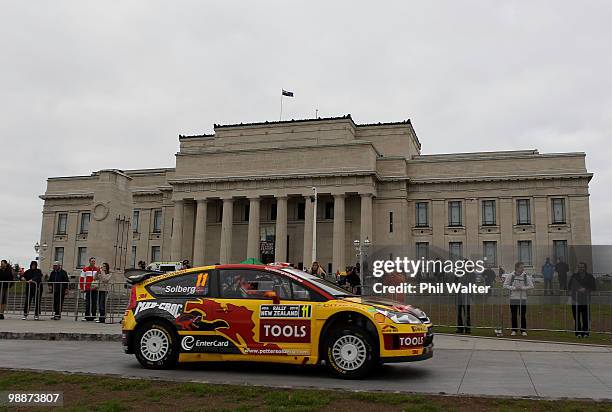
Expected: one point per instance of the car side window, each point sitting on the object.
(192, 284)
(252, 284)
(300, 292)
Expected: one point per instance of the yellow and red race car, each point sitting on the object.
(267, 313)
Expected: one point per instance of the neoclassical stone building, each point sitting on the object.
(245, 191)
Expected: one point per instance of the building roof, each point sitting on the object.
(294, 121)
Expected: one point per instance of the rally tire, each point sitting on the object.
(350, 352)
(156, 346)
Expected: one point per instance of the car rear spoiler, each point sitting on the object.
(134, 276)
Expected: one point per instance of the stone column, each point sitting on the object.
(339, 234)
(253, 236)
(541, 250)
(366, 217)
(280, 242)
(308, 219)
(177, 230)
(199, 241)
(225, 254)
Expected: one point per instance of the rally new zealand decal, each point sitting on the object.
(285, 311)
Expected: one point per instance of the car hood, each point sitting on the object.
(388, 304)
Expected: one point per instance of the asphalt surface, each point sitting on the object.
(535, 370)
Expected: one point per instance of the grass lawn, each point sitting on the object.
(107, 394)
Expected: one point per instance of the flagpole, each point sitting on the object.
(280, 117)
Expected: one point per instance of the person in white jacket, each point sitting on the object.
(518, 282)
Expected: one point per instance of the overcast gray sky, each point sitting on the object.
(109, 84)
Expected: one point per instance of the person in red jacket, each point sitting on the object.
(88, 285)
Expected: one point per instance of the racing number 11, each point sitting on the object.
(202, 278)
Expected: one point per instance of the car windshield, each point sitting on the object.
(326, 285)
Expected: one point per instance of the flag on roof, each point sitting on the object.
(287, 93)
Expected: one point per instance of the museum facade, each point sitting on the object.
(246, 191)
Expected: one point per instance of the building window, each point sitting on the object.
(454, 213)
(329, 210)
(523, 212)
(488, 213)
(558, 211)
(62, 223)
(390, 222)
(136, 221)
(155, 253)
(273, 211)
(157, 221)
(455, 250)
(489, 252)
(133, 256)
(84, 226)
(301, 211)
(58, 256)
(560, 250)
(81, 257)
(524, 252)
(421, 214)
(247, 212)
(422, 250)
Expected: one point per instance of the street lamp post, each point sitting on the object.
(361, 249)
(39, 248)
(314, 227)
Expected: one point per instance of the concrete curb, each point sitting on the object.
(98, 337)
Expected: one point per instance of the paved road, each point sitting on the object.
(538, 370)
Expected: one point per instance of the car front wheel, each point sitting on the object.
(350, 352)
(155, 346)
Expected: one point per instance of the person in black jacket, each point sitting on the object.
(580, 286)
(33, 290)
(58, 285)
(6, 282)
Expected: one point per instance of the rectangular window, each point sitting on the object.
(84, 226)
(524, 252)
(488, 213)
(136, 221)
(454, 213)
(133, 256)
(81, 257)
(455, 250)
(560, 250)
(329, 210)
(489, 252)
(558, 211)
(422, 218)
(247, 212)
(62, 223)
(301, 211)
(58, 256)
(273, 211)
(523, 212)
(155, 253)
(157, 221)
(422, 250)
(390, 222)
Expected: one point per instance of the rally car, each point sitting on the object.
(267, 313)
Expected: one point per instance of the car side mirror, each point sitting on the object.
(272, 295)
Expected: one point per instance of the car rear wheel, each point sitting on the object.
(350, 352)
(155, 346)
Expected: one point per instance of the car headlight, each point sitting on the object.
(400, 317)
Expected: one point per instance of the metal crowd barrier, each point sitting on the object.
(491, 311)
(544, 312)
(19, 297)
